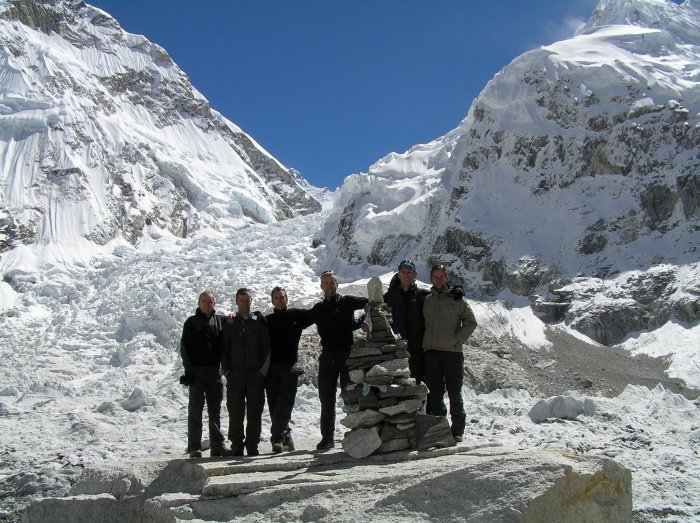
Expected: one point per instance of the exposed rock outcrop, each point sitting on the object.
(469, 484)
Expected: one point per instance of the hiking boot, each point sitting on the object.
(277, 448)
(458, 439)
(252, 451)
(288, 443)
(220, 452)
(325, 443)
(236, 450)
(196, 454)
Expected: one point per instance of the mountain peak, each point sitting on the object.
(680, 21)
(103, 137)
(573, 181)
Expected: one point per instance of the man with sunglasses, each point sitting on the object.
(334, 317)
(448, 324)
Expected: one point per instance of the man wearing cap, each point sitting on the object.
(405, 300)
(448, 324)
(334, 317)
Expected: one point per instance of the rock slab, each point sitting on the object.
(432, 431)
(459, 483)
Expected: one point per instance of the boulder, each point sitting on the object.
(363, 418)
(363, 350)
(357, 375)
(369, 401)
(562, 407)
(394, 445)
(351, 394)
(379, 380)
(138, 398)
(432, 431)
(390, 432)
(397, 368)
(360, 443)
(367, 361)
(397, 391)
(404, 407)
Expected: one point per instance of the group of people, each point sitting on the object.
(258, 355)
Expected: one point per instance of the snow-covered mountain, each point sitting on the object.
(573, 180)
(103, 138)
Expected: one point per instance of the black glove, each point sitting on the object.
(457, 292)
(296, 369)
(187, 379)
(357, 323)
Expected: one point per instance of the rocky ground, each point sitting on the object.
(569, 364)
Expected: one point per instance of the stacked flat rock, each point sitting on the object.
(382, 399)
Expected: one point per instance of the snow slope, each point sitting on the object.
(90, 370)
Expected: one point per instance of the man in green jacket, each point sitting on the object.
(448, 324)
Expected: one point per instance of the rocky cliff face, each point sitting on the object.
(102, 136)
(573, 180)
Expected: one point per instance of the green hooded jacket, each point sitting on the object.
(448, 322)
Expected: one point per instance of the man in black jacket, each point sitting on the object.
(285, 326)
(245, 360)
(200, 348)
(405, 300)
(334, 318)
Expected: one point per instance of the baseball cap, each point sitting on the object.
(407, 264)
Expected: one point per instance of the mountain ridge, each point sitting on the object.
(575, 167)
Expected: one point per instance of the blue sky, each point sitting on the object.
(328, 87)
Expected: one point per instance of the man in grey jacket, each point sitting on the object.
(245, 360)
(448, 324)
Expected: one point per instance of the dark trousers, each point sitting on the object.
(331, 366)
(416, 366)
(207, 387)
(445, 370)
(245, 389)
(281, 390)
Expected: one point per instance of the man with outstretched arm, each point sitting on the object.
(285, 326)
(245, 360)
(448, 324)
(334, 316)
(200, 348)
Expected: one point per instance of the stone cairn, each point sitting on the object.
(383, 402)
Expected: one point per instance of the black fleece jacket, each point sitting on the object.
(202, 342)
(285, 328)
(334, 319)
